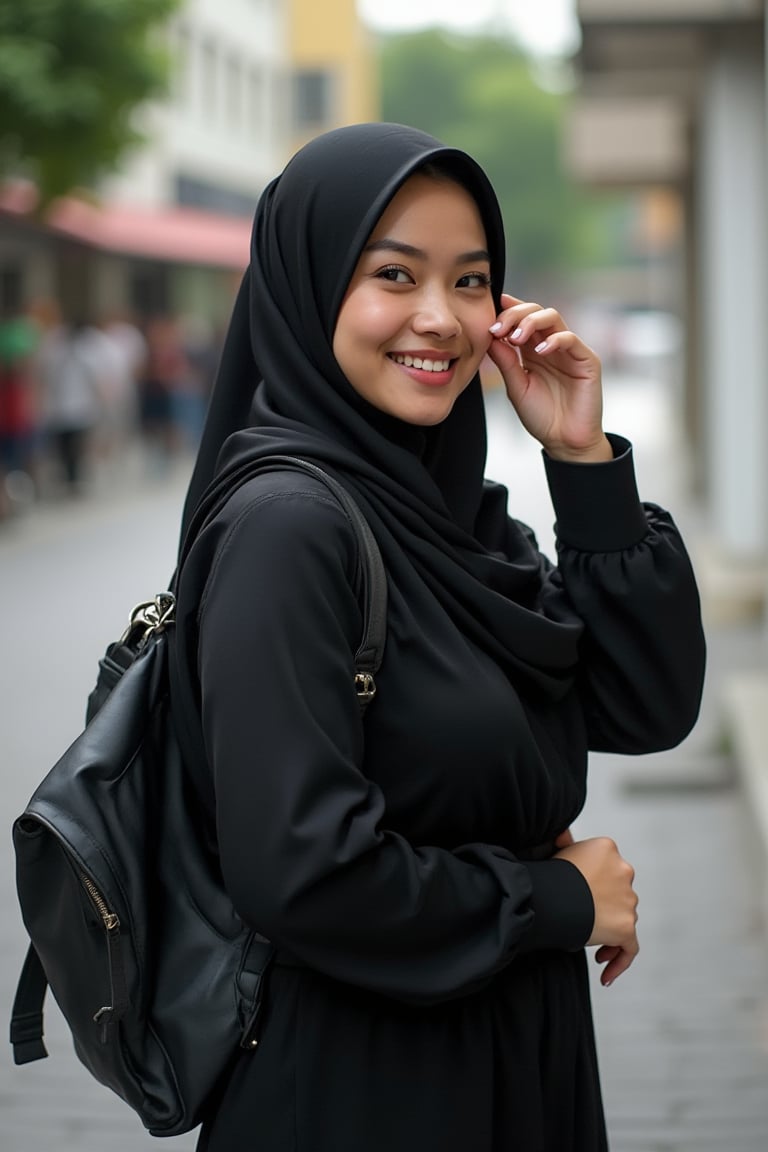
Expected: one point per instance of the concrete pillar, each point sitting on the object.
(733, 193)
(765, 137)
(689, 306)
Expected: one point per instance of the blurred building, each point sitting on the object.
(220, 136)
(674, 96)
(169, 231)
(334, 78)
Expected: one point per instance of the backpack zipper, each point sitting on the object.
(111, 919)
(115, 1011)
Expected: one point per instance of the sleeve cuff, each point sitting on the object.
(562, 905)
(597, 507)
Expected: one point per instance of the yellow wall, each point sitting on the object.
(329, 34)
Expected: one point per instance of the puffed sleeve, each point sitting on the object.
(305, 850)
(625, 570)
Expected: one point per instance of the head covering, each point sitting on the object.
(280, 389)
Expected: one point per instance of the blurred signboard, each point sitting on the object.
(667, 11)
(627, 140)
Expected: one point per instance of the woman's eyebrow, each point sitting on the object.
(386, 244)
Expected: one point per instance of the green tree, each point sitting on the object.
(72, 73)
(479, 93)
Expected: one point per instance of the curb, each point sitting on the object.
(745, 704)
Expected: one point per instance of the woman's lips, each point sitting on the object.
(432, 375)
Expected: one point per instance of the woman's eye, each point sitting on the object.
(474, 280)
(394, 275)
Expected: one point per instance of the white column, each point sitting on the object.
(765, 138)
(734, 193)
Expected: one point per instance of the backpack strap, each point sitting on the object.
(372, 576)
(27, 1013)
(372, 589)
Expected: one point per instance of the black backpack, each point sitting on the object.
(158, 978)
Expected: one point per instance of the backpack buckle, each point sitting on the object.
(148, 617)
(365, 685)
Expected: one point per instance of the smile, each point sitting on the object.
(424, 365)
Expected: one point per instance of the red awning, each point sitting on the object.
(176, 235)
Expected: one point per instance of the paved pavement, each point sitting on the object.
(683, 1036)
(69, 574)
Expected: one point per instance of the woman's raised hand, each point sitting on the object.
(610, 880)
(552, 379)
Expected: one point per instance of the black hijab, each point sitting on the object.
(280, 389)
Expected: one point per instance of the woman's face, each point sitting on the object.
(413, 326)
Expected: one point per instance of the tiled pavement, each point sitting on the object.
(683, 1036)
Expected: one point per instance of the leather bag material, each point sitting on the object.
(115, 797)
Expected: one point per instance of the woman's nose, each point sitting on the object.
(435, 315)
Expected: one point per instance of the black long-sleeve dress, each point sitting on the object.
(430, 993)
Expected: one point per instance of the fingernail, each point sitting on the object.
(541, 347)
(495, 327)
(516, 334)
(607, 983)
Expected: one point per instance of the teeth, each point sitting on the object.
(425, 365)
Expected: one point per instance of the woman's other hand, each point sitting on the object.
(552, 379)
(610, 880)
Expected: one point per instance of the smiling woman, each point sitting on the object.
(415, 870)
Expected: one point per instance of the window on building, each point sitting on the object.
(312, 98)
(256, 101)
(209, 78)
(234, 82)
(261, 110)
(194, 193)
(181, 48)
(278, 96)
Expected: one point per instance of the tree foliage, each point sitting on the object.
(72, 73)
(479, 94)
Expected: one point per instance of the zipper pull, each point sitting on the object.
(104, 1018)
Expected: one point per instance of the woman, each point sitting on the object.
(415, 869)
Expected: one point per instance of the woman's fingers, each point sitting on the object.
(617, 960)
(535, 331)
(524, 323)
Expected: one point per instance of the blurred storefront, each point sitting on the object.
(673, 96)
(100, 259)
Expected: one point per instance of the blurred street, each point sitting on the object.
(683, 1037)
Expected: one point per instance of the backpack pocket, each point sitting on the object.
(85, 948)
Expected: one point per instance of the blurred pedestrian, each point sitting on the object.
(415, 870)
(74, 363)
(128, 349)
(18, 412)
(165, 379)
(202, 353)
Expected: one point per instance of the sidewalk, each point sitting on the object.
(683, 1036)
